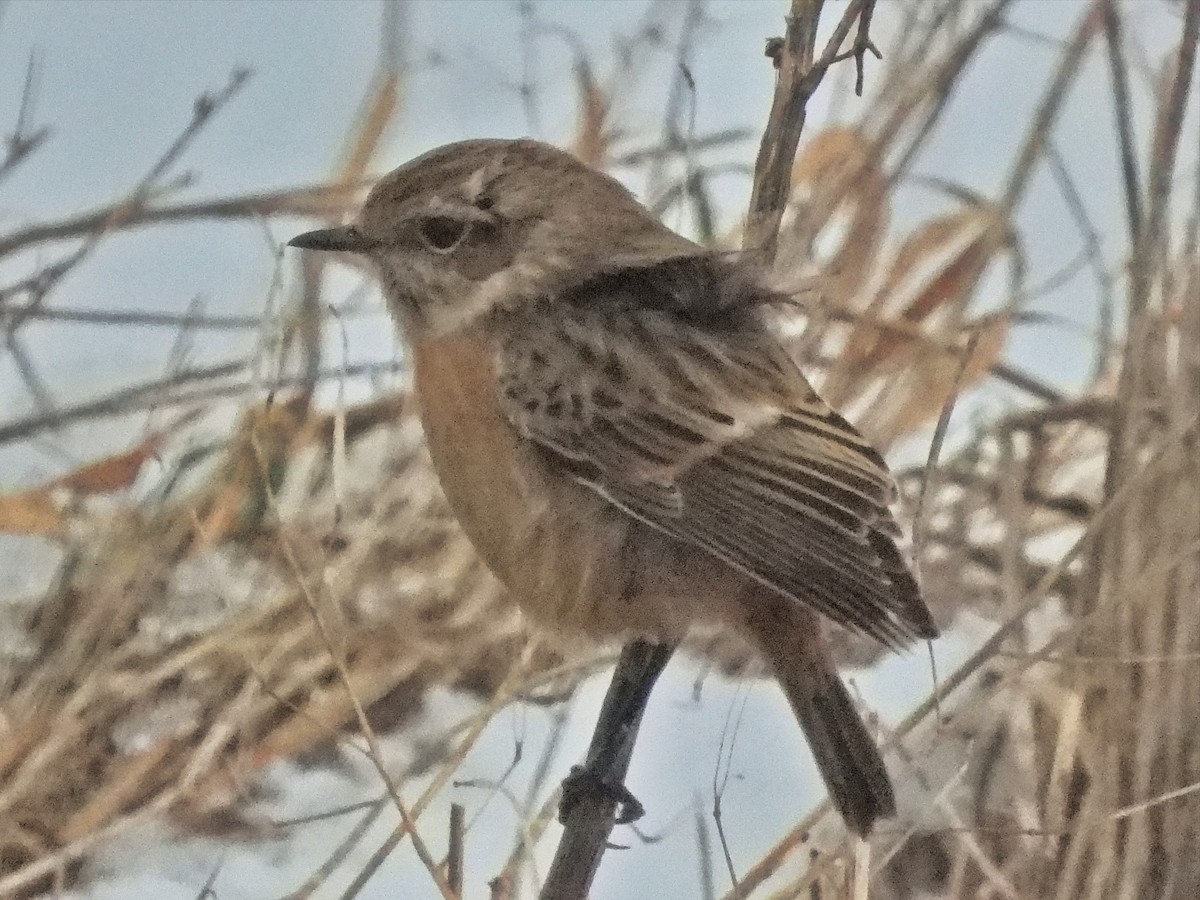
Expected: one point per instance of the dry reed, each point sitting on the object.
(1062, 759)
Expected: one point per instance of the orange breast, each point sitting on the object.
(550, 541)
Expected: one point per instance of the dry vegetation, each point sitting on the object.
(302, 581)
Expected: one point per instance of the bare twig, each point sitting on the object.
(862, 43)
(589, 809)
(682, 92)
(150, 186)
(23, 141)
(704, 853)
(935, 446)
(457, 854)
(729, 731)
(333, 648)
(1037, 136)
(166, 392)
(340, 852)
(1094, 256)
(502, 697)
(320, 200)
(1131, 180)
(34, 383)
(590, 819)
(944, 78)
(1147, 246)
(799, 75)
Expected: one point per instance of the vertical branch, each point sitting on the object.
(799, 76)
(590, 810)
(793, 57)
(1147, 241)
(1131, 179)
(454, 859)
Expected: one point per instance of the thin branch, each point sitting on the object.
(205, 107)
(681, 92)
(1148, 246)
(933, 90)
(1092, 254)
(704, 853)
(590, 803)
(504, 694)
(34, 383)
(454, 860)
(136, 318)
(672, 146)
(311, 598)
(161, 392)
(798, 78)
(1167, 131)
(1041, 122)
(528, 87)
(1123, 116)
(39, 286)
(935, 448)
(339, 854)
(862, 44)
(589, 819)
(721, 773)
(23, 141)
(316, 200)
(793, 59)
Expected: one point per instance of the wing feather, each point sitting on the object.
(707, 431)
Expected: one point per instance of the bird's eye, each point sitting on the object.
(442, 232)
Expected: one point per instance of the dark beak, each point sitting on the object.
(346, 238)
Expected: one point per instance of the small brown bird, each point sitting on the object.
(622, 434)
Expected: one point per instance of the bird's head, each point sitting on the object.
(481, 224)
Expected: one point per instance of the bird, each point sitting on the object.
(620, 430)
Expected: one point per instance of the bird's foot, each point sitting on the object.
(584, 782)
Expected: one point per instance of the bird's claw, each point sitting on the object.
(583, 781)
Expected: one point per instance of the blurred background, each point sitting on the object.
(218, 525)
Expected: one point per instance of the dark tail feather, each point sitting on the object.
(846, 754)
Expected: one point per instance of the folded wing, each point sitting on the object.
(707, 431)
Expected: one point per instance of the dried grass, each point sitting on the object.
(1066, 759)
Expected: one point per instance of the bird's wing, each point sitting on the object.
(711, 434)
